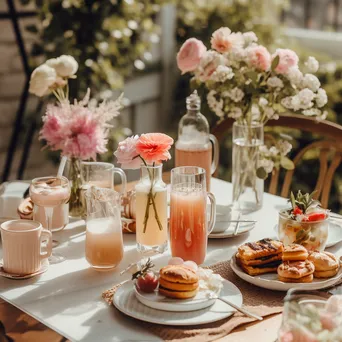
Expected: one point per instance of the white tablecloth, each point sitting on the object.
(67, 298)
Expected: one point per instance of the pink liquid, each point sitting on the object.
(49, 197)
(188, 226)
(104, 245)
(198, 157)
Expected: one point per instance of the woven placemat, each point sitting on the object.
(257, 300)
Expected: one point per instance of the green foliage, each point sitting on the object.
(303, 201)
(110, 39)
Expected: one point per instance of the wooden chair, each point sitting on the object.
(330, 151)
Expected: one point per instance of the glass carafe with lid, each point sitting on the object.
(195, 145)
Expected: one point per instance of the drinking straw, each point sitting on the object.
(61, 167)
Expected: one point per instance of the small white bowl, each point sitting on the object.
(225, 216)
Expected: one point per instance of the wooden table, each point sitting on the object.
(22, 327)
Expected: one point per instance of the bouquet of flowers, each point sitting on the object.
(248, 83)
(149, 149)
(79, 130)
(244, 81)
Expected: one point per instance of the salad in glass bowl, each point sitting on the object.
(306, 223)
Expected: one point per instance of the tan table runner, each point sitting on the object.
(260, 301)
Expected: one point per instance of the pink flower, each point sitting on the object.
(223, 40)
(259, 57)
(287, 60)
(190, 54)
(286, 336)
(154, 147)
(209, 63)
(73, 130)
(327, 321)
(127, 154)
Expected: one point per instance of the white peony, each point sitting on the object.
(238, 54)
(275, 82)
(321, 98)
(311, 81)
(306, 96)
(222, 74)
(249, 37)
(65, 65)
(235, 94)
(284, 147)
(214, 105)
(42, 78)
(312, 112)
(267, 164)
(274, 151)
(312, 64)
(235, 113)
(295, 76)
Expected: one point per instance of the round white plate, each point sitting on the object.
(229, 232)
(270, 280)
(157, 301)
(334, 235)
(125, 301)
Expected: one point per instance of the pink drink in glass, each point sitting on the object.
(188, 225)
(45, 196)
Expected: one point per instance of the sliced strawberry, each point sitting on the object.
(297, 211)
(316, 217)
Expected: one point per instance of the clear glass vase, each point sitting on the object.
(247, 187)
(151, 210)
(73, 173)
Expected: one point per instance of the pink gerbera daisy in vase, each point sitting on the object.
(148, 152)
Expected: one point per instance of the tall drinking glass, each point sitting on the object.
(189, 227)
(48, 193)
(104, 244)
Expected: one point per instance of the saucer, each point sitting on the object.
(44, 267)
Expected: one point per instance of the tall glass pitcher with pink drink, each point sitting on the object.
(189, 226)
(195, 146)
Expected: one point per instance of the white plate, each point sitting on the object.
(125, 301)
(229, 232)
(270, 280)
(157, 301)
(334, 235)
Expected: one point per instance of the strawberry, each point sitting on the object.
(297, 211)
(316, 217)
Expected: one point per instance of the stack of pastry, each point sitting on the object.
(178, 281)
(326, 264)
(296, 268)
(263, 256)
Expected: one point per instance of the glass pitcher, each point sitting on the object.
(104, 245)
(195, 146)
(189, 227)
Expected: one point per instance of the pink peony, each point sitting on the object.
(154, 147)
(287, 60)
(223, 40)
(259, 57)
(127, 154)
(190, 54)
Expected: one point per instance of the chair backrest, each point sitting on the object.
(330, 148)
